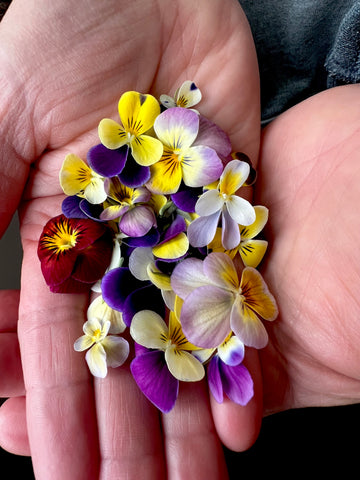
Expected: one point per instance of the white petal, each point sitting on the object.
(95, 192)
(240, 210)
(96, 360)
(117, 350)
(209, 203)
(83, 343)
(232, 351)
(139, 260)
(99, 309)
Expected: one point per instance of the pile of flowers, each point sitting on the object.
(153, 224)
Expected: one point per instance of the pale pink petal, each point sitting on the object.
(205, 316)
(220, 270)
(188, 275)
(201, 231)
(137, 221)
(177, 128)
(230, 232)
(200, 166)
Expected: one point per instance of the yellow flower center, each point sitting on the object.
(60, 238)
(96, 335)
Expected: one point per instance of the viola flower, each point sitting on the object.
(103, 350)
(77, 178)
(74, 253)
(99, 309)
(150, 330)
(182, 159)
(251, 250)
(137, 114)
(216, 301)
(127, 205)
(222, 202)
(186, 96)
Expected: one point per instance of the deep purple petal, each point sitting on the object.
(71, 207)
(186, 199)
(176, 227)
(106, 162)
(148, 240)
(147, 297)
(117, 285)
(214, 379)
(134, 175)
(91, 211)
(237, 383)
(154, 380)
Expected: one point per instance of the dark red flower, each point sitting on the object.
(74, 253)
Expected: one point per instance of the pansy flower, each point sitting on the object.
(137, 114)
(222, 202)
(128, 205)
(74, 253)
(77, 178)
(182, 159)
(216, 301)
(186, 96)
(251, 250)
(98, 308)
(103, 350)
(168, 349)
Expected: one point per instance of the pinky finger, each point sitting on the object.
(13, 431)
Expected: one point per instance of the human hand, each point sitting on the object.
(308, 179)
(64, 67)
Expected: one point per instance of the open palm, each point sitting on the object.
(64, 67)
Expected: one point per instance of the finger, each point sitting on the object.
(13, 431)
(238, 426)
(11, 379)
(129, 430)
(191, 442)
(59, 394)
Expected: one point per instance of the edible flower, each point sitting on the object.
(103, 350)
(185, 96)
(216, 301)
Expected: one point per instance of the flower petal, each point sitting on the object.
(252, 252)
(95, 191)
(117, 350)
(247, 326)
(98, 308)
(152, 375)
(214, 379)
(176, 247)
(234, 175)
(146, 298)
(111, 134)
(83, 343)
(230, 232)
(146, 150)
(187, 276)
(201, 231)
(149, 329)
(138, 112)
(74, 175)
(261, 217)
(220, 270)
(232, 351)
(257, 295)
(116, 285)
(213, 136)
(139, 260)
(240, 210)
(71, 207)
(96, 360)
(166, 174)
(137, 221)
(134, 175)
(183, 365)
(237, 383)
(177, 128)
(106, 162)
(188, 95)
(205, 316)
(200, 166)
(210, 202)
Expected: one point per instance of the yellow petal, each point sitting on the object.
(177, 336)
(75, 175)
(138, 112)
(256, 294)
(166, 174)
(146, 150)
(174, 248)
(149, 329)
(252, 252)
(184, 366)
(111, 134)
(262, 214)
(158, 278)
